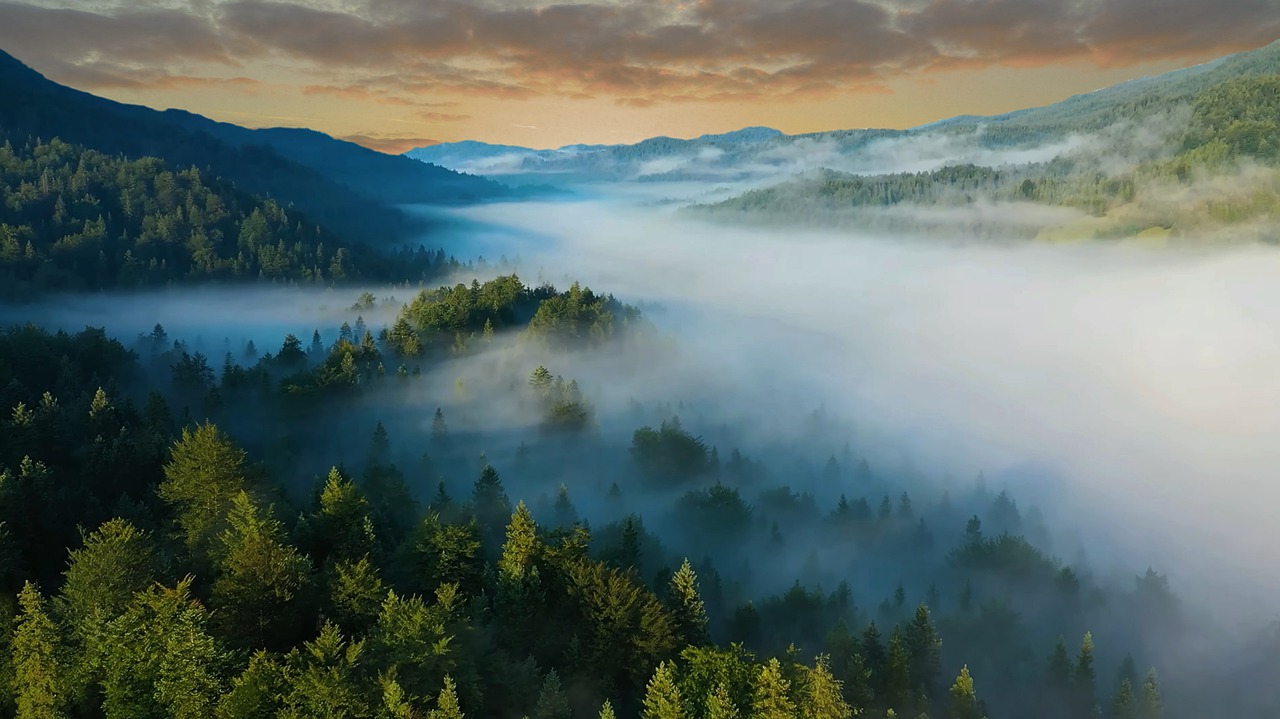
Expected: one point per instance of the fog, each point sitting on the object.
(1144, 379)
(1126, 396)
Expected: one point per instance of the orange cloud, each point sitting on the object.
(390, 145)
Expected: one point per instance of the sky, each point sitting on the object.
(396, 74)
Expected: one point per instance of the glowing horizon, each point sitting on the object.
(396, 74)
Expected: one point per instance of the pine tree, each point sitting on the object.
(720, 705)
(521, 547)
(205, 472)
(1150, 705)
(925, 649)
(662, 698)
(160, 658)
(447, 706)
(489, 500)
(552, 701)
(964, 700)
(823, 694)
(1124, 704)
(898, 687)
(686, 606)
(38, 673)
(1084, 679)
(771, 699)
(261, 592)
(606, 710)
(439, 430)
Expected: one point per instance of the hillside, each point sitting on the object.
(348, 188)
(1211, 170)
(74, 219)
(763, 154)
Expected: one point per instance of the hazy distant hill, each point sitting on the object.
(759, 153)
(348, 188)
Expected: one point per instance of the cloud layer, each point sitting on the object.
(394, 51)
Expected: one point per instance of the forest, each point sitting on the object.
(1217, 167)
(496, 497)
(169, 550)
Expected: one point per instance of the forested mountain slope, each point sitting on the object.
(343, 186)
(437, 570)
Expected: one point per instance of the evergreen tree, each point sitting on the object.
(447, 706)
(489, 500)
(898, 686)
(204, 474)
(720, 705)
(1150, 705)
(925, 649)
(522, 545)
(262, 590)
(552, 701)
(38, 671)
(772, 699)
(662, 698)
(606, 710)
(823, 694)
(159, 658)
(686, 606)
(1124, 705)
(322, 679)
(1084, 679)
(964, 700)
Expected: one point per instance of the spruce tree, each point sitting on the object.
(898, 688)
(1149, 704)
(661, 697)
(823, 694)
(205, 472)
(553, 703)
(771, 699)
(925, 649)
(1124, 703)
(964, 700)
(1084, 679)
(686, 606)
(262, 592)
(720, 705)
(38, 672)
(447, 706)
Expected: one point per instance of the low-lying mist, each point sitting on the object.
(1139, 382)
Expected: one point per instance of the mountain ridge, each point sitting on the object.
(349, 188)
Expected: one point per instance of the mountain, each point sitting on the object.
(707, 157)
(348, 188)
(762, 155)
(1133, 100)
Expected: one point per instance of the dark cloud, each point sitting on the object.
(636, 51)
(129, 47)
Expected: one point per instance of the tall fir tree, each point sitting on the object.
(1150, 705)
(661, 697)
(685, 603)
(822, 694)
(772, 696)
(964, 699)
(38, 670)
(1124, 705)
(205, 472)
(1085, 680)
(720, 705)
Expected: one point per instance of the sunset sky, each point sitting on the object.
(394, 74)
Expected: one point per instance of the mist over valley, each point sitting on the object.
(974, 419)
